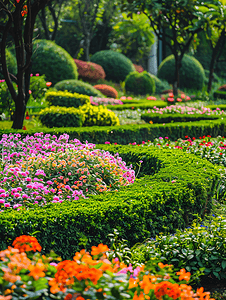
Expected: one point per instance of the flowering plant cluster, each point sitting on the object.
(151, 98)
(173, 99)
(41, 169)
(107, 90)
(28, 274)
(89, 71)
(179, 109)
(105, 101)
(126, 98)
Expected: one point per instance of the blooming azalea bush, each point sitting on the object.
(89, 71)
(107, 90)
(173, 99)
(27, 274)
(40, 169)
(105, 101)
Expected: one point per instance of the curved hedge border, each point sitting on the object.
(179, 185)
(167, 118)
(126, 134)
(142, 104)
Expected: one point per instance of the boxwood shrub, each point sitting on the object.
(174, 186)
(66, 99)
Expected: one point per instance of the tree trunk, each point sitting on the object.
(213, 59)
(18, 117)
(87, 46)
(176, 74)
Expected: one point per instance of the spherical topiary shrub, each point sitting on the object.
(107, 90)
(53, 61)
(89, 71)
(192, 74)
(160, 85)
(116, 65)
(78, 86)
(11, 64)
(140, 83)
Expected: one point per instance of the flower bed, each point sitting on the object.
(26, 274)
(105, 101)
(43, 169)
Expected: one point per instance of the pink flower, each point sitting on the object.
(179, 100)
(123, 98)
(7, 205)
(129, 98)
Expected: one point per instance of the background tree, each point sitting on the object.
(182, 17)
(215, 30)
(50, 18)
(17, 20)
(132, 37)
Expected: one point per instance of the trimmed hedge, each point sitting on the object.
(179, 185)
(167, 118)
(78, 86)
(215, 106)
(219, 94)
(126, 134)
(66, 99)
(52, 60)
(140, 83)
(138, 104)
(116, 65)
(192, 74)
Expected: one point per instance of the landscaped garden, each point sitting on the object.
(112, 179)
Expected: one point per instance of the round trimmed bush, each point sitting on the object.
(140, 83)
(89, 71)
(78, 86)
(192, 74)
(52, 60)
(116, 65)
(11, 64)
(107, 90)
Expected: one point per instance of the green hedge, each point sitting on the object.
(153, 204)
(167, 118)
(66, 99)
(219, 94)
(139, 104)
(126, 134)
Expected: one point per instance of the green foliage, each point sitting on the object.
(160, 85)
(86, 115)
(134, 133)
(53, 61)
(137, 104)
(167, 118)
(200, 249)
(57, 116)
(64, 98)
(140, 83)
(192, 74)
(11, 63)
(219, 95)
(177, 187)
(132, 37)
(78, 86)
(207, 73)
(116, 65)
(7, 105)
(38, 87)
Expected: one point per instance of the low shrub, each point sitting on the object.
(58, 116)
(126, 134)
(99, 116)
(167, 118)
(192, 74)
(89, 71)
(140, 83)
(78, 86)
(221, 94)
(52, 60)
(116, 65)
(190, 249)
(66, 99)
(107, 90)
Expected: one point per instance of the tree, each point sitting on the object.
(215, 30)
(182, 17)
(132, 37)
(18, 19)
(49, 17)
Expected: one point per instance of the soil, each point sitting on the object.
(213, 285)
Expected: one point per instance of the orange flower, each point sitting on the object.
(68, 297)
(27, 243)
(37, 271)
(184, 275)
(99, 249)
